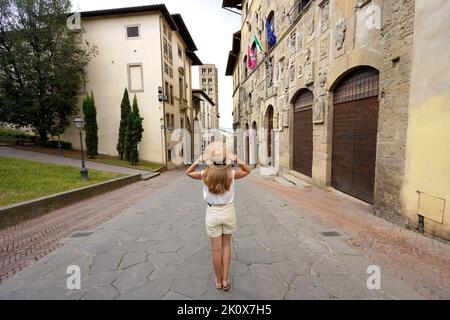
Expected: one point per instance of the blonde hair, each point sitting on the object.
(218, 175)
(218, 179)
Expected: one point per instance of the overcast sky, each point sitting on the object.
(211, 28)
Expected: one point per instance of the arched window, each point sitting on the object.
(271, 22)
(245, 68)
(255, 51)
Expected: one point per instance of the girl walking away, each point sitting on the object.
(218, 191)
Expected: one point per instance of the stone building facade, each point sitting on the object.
(335, 89)
(151, 53)
(209, 82)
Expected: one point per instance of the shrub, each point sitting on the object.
(10, 133)
(54, 144)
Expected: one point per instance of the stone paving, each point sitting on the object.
(54, 159)
(158, 249)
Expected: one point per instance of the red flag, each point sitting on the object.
(251, 59)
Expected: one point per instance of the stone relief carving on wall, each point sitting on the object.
(308, 54)
(300, 72)
(269, 72)
(318, 111)
(341, 29)
(308, 73)
(324, 47)
(293, 40)
(292, 72)
(325, 16)
(281, 65)
(311, 26)
(299, 40)
(323, 78)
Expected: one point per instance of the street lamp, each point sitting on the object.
(79, 124)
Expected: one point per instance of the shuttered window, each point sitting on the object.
(135, 78)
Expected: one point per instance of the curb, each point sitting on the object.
(16, 213)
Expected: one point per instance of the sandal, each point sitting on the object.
(226, 285)
(218, 285)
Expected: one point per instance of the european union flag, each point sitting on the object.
(271, 37)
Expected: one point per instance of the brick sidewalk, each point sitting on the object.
(26, 243)
(423, 262)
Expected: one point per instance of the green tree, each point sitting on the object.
(125, 111)
(41, 63)
(91, 127)
(134, 134)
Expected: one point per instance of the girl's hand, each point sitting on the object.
(231, 157)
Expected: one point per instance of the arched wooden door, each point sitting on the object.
(255, 143)
(247, 144)
(303, 133)
(355, 127)
(269, 117)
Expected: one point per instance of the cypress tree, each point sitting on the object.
(91, 127)
(125, 111)
(134, 134)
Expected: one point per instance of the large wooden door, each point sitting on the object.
(303, 133)
(269, 131)
(355, 125)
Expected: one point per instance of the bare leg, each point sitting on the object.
(216, 249)
(226, 255)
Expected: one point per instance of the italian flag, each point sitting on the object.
(258, 45)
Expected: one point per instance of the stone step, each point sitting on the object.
(295, 181)
(283, 182)
(150, 175)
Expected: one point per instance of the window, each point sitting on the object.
(180, 83)
(203, 81)
(170, 52)
(135, 77)
(302, 5)
(181, 123)
(209, 70)
(166, 91)
(165, 30)
(203, 71)
(209, 81)
(170, 121)
(166, 48)
(166, 68)
(169, 36)
(171, 94)
(171, 72)
(271, 21)
(255, 52)
(245, 67)
(132, 32)
(180, 51)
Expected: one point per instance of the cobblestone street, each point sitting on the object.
(157, 249)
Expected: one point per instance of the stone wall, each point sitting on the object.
(395, 75)
(314, 51)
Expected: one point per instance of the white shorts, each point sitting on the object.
(220, 220)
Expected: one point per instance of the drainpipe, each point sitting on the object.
(421, 227)
(163, 133)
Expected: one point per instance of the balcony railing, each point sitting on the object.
(297, 9)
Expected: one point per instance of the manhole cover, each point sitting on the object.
(331, 233)
(80, 234)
